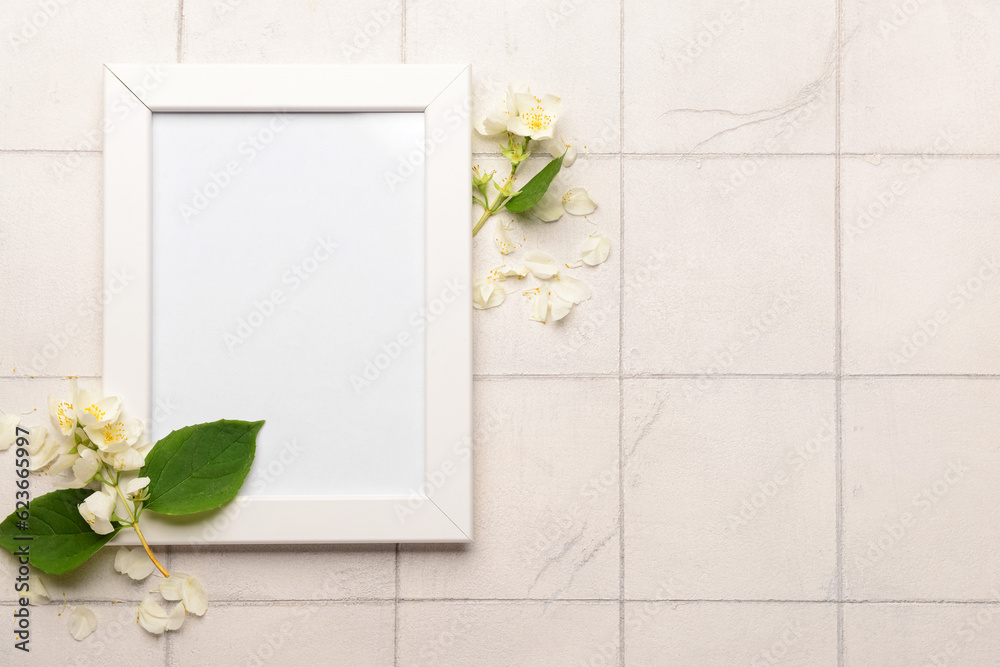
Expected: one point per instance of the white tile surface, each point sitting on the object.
(894, 635)
(239, 31)
(921, 276)
(730, 493)
(586, 340)
(546, 498)
(719, 634)
(733, 77)
(527, 634)
(744, 284)
(50, 264)
(568, 49)
(348, 634)
(51, 67)
(920, 76)
(920, 474)
(711, 244)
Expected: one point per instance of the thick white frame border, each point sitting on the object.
(132, 93)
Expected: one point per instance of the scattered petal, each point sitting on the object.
(503, 272)
(133, 562)
(504, 244)
(188, 590)
(571, 289)
(576, 201)
(595, 249)
(540, 264)
(557, 147)
(486, 293)
(539, 305)
(37, 593)
(82, 623)
(154, 619)
(549, 208)
(8, 431)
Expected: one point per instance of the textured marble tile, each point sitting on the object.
(491, 634)
(920, 461)
(52, 65)
(719, 634)
(348, 634)
(919, 76)
(117, 639)
(729, 265)
(921, 265)
(722, 76)
(300, 31)
(309, 572)
(51, 301)
(586, 340)
(730, 493)
(901, 635)
(569, 49)
(546, 498)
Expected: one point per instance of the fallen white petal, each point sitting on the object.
(82, 623)
(595, 249)
(540, 264)
(558, 307)
(187, 589)
(504, 244)
(549, 209)
(8, 431)
(571, 289)
(540, 305)
(504, 272)
(133, 562)
(37, 593)
(576, 201)
(557, 147)
(486, 294)
(153, 618)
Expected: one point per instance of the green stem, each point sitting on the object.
(135, 527)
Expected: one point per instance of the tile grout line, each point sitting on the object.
(395, 610)
(180, 31)
(260, 602)
(621, 331)
(402, 33)
(839, 337)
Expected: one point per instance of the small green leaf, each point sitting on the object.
(61, 539)
(535, 189)
(199, 468)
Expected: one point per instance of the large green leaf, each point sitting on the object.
(201, 467)
(60, 538)
(535, 189)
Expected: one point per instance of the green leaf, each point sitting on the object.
(199, 468)
(535, 189)
(61, 538)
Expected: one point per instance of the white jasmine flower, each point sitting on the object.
(486, 293)
(576, 201)
(94, 410)
(134, 563)
(63, 462)
(97, 508)
(540, 264)
(132, 487)
(153, 618)
(129, 459)
(595, 249)
(495, 121)
(82, 623)
(85, 467)
(8, 431)
(188, 590)
(536, 117)
(571, 289)
(557, 147)
(504, 244)
(115, 436)
(549, 208)
(43, 449)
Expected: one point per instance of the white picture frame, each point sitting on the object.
(441, 511)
